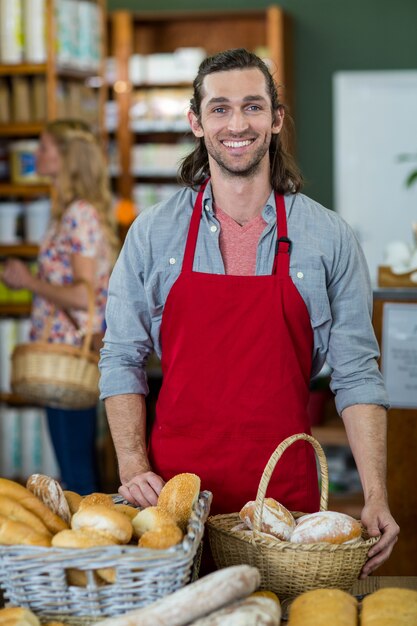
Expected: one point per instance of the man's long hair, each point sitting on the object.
(284, 173)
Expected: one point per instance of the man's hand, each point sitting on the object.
(378, 521)
(142, 489)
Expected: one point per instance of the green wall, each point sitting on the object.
(329, 35)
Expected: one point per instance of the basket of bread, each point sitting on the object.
(81, 559)
(294, 552)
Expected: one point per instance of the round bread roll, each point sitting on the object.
(13, 510)
(276, 519)
(73, 500)
(32, 503)
(178, 497)
(151, 518)
(18, 616)
(161, 539)
(18, 533)
(127, 509)
(93, 499)
(390, 605)
(329, 607)
(104, 520)
(49, 491)
(326, 526)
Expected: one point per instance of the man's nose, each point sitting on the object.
(237, 122)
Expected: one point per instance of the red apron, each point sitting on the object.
(236, 363)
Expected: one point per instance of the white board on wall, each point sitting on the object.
(375, 121)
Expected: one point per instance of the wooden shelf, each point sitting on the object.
(28, 69)
(21, 129)
(12, 399)
(22, 250)
(15, 308)
(349, 503)
(24, 191)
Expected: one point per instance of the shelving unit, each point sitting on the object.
(266, 31)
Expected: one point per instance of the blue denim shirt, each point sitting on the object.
(327, 266)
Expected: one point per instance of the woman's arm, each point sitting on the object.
(17, 275)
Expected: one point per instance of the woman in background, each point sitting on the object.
(80, 245)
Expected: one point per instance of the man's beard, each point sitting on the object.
(231, 171)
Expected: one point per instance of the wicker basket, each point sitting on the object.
(287, 568)
(56, 374)
(35, 577)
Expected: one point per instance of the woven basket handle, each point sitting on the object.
(89, 327)
(270, 466)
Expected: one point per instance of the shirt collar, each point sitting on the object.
(269, 212)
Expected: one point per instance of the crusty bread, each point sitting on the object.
(104, 499)
(13, 510)
(162, 538)
(50, 492)
(70, 538)
(73, 500)
(390, 607)
(17, 533)
(178, 497)
(193, 601)
(84, 539)
(326, 607)
(104, 520)
(53, 522)
(326, 526)
(276, 519)
(151, 518)
(260, 611)
(18, 616)
(127, 509)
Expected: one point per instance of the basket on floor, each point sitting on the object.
(288, 568)
(36, 577)
(57, 374)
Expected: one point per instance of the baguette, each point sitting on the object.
(18, 616)
(13, 510)
(200, 598)
(17, 533)
(49, 491)
(252, 611)
(13, 490)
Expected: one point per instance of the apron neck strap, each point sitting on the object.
(283, 247)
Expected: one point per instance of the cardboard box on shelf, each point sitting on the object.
(20, 99)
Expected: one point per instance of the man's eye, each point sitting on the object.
(219, 110)
(254, 107)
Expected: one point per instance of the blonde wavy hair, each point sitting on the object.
(83, 174)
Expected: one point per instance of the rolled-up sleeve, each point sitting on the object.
(353, 348)
(127, 341)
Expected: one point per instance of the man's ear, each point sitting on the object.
(195, 124)
(278, 121)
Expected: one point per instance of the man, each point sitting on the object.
(242, 312)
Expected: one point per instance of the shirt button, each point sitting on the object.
(300, 275)
(213, 228)
(172, 261)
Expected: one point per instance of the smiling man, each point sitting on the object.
(244, 287)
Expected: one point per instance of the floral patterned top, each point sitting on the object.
(78, 232)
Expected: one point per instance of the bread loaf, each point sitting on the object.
(25, 497)
(252, 611)
(104, 499)
(17, 533)
(151, 518)
(104, 520)
(84, 539)
(18, 616)
(276, 519)
(326, 526)
(128, 510)
(327, 607)
(390, 607)
(161, 539)
(13, 510)
(49, 491)
(193, 601)
(73, 500)
(178, 497)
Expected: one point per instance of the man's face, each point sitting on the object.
(236, 121)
